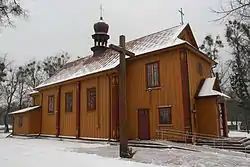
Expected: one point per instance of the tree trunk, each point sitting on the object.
(6, 130)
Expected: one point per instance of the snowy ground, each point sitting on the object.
(28, 152)
(238, 134)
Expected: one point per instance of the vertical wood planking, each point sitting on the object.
(48, 119)
(68, 120)
(95, 124)
(169, 93)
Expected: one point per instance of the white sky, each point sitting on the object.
(62, 25)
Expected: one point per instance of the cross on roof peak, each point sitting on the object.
(182, 16)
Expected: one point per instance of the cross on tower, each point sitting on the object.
(101, 13)
(182, 15)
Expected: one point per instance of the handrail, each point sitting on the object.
(186, 136)
(173, 134)
(190, 134)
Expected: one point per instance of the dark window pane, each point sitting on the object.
(165, 115)
(152, 75)
(51, 104)
(69, 101)
(91, 98)
(20, 121)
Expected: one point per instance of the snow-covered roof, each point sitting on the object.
(24, 110)
(33, 92)
(110, 59)
(207, 89)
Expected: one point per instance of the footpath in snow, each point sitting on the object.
(28, 152)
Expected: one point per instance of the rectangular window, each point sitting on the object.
(68, 101)
(91, 98)
(152, 74)
(20, 121)
(51, 104)
(165, 116)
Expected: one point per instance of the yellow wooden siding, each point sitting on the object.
(48, 119)
(169, 93)
(36, 99)
(35, 122)
(24, 129)
(207, 116)
(67, 119)
(95, 123)
(195, 78)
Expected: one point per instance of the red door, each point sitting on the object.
(143, 124)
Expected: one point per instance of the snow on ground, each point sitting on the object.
(238, 134)
(29, 152)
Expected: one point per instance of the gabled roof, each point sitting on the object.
(25, 110)
(207, 88)
(110, 59)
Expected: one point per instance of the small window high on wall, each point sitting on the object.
(51, 104)
(91, 98)
(165, 116)
(152, 75)
(69, 101)
(20, 121)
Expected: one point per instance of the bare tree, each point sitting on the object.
(22, 89)
(239, 9)
(211, 46)
(10, 9)
(52, 64)
(8, 89)
(35, 73)
(2, 69)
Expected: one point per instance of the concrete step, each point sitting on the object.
(221, 144)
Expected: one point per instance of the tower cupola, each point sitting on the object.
(100, 37)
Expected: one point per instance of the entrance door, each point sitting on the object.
(143, 124)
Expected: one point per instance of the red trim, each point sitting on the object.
(41, 122)
(185, 90)
(58, 94)
(78, 119)
(158, 71)
(13, 124)
(115, 107)
(110, 109)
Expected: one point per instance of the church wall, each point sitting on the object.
(24, 129)
(36, 99)
(195, 76)
(48, 119)
(169, 93)
(208, 116)
(35, 122)
(67, 119)
(95, 123)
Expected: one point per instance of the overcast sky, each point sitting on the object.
(67, 25)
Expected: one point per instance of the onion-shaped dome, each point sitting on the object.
(101, 27)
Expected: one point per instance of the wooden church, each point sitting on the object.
(170, 87)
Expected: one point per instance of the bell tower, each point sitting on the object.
(100, 37)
